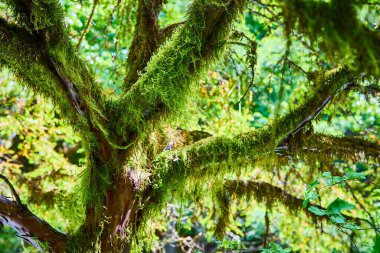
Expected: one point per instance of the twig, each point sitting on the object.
(267, 224)
(373, 225)
(14, 193)
(88, 23)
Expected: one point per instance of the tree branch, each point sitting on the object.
(25, 56)
(168, 31)
(146, 39)
(269, 195)
(323, 147)
(14, 193)
(46, 40)
(27, 225)
(163, 90)
(201, 157)
(89, 20)
(54, 70)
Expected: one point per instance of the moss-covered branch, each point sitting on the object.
(23, 54)
(204, 159)
(37, 49)
(322, 147)
(171, 74)
(267, 194)
(146, 39)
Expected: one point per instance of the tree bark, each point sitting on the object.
(29, 227)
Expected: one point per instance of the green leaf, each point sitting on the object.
(329, 182)
(305, 203)
(350, 226)
(275, 248)
(338, 219)
(317, 211)
(312, 195)
(337, 179)
(326, 174)
(355, 175)
(376, 247)
(339, 205)
(312, 185)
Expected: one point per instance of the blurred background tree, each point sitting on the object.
(275, 55)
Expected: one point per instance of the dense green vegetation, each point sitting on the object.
(189, 126)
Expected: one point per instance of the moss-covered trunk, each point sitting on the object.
(112, 205)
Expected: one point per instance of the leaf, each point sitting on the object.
(329, 182)
(355, 175)
(337, 179)
(317, 211)
(275, 248)
(339, 205)
(338, 219)
(312, 195)
(309, 196)
(376, 247)
(305, 203)
(326, 174)
(312, 185)
(350, 226)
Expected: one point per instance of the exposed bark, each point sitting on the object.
(29, 227)
(120, 212)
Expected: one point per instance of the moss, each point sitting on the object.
(163, 92)
(336, 27)
(22, 54)
(316, 148)
(220, 156)
(262, 192)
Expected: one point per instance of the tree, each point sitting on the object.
(127, 177)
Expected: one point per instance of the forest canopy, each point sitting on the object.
(189, 126)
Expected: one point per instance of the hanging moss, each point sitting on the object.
(335, 26)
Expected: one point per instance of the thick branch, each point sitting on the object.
(168, 82)
(198, 159)
(324, 147)
(145, 41)
(25, 56)
(29, 227)
(43, 57)
(56, 72)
